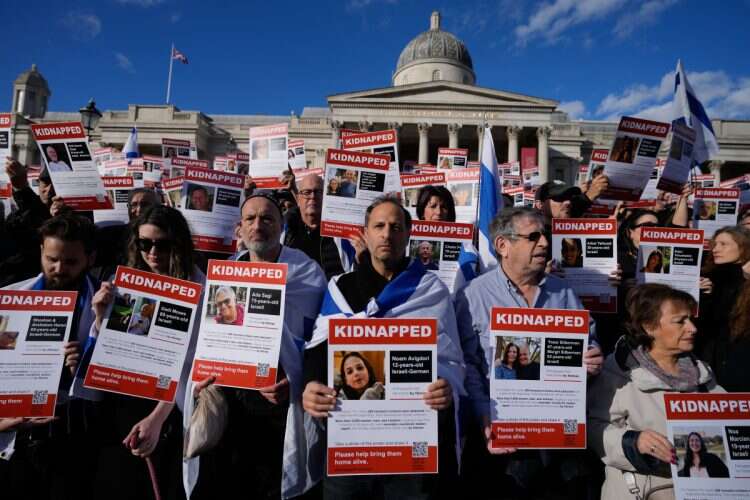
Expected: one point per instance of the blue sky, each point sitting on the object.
(599, 58)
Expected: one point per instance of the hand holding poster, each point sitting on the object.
(633, 157)
(671, 256)
(268, 150)
(537, 378)
(440, 247)
(586, 249)
(381, 369)
(711, 436)
(65, 152)
(243, 316)
(352, 181)
(211, 203)
(714, 208)
(597, 163)
(679, 161)
(144, 336)
(33, 327)
(449, 158)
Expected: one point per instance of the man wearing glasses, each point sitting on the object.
(519, 280)
(303, 227)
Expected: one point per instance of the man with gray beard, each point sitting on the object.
(271, 418)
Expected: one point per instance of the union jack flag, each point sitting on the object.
(176, 54)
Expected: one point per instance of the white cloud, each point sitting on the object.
(82, 27)
(124, 63)
(575, 109)
(551, 20)
(141, 3)
(721, 95)
(646, 15)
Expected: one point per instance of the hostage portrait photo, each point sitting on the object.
(359, 375)
(656, 259)
(56, 157)
(700, 452)
(427, 252)
(226, 305)
(517, 358)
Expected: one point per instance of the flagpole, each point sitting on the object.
(169, 80)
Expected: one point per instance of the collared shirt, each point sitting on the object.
(473, 305)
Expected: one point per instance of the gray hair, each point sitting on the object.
(298, 181)
(150, 193)
(226, 292)
(504, 223)
(389, 198)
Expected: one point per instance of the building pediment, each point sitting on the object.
(441, 93)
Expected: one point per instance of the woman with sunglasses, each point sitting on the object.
(160, 242)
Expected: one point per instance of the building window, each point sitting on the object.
(436, 75)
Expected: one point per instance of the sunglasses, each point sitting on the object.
(145, 245)
(533, 236)
(309, 193)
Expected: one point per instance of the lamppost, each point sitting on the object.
(90, 116)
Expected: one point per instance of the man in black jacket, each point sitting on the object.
(303, 227)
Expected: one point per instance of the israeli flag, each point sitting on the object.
(489, 201)
(130, 150)
(687, 109)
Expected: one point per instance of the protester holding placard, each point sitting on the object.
(269, 419)
(21, 259)
(725, 304)
(68, 251)
(389, 285)
(519, 281)
(303, 227)
(159, 242)
(627, 420)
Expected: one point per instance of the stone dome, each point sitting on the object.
(438, 55)
(32, 78)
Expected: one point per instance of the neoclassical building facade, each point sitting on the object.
(433, 102)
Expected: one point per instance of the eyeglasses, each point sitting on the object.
(145, 245)
(533, 236)
(309, 193)
(222, 303)
(646, 224)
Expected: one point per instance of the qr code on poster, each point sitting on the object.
(39, 398)
(262, 370)
(419, 449)
(163, 382)
(570, 426)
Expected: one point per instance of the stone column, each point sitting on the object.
(480, 137)
(336, 127)
(453, 129)
(364, 125)
(512, 133)
(394, 126)
(715, 166)
(542, 134)
(423, 142)
(321, 157)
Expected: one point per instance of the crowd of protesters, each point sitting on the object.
(95, 445)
